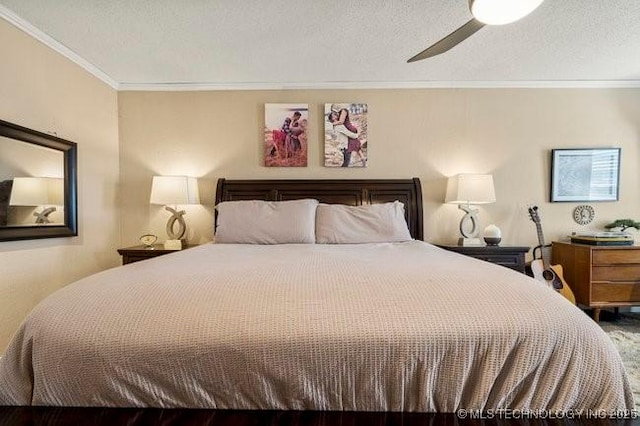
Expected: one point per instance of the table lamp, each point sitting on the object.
(38, 191)
(466, 190)
(174, 190)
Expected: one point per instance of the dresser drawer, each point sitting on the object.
(615, 292)
(615, 257)
(616, 273)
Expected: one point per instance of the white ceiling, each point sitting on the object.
(334, 43)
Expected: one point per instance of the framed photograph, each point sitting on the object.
(285, 135)
(585, 174)
(345, 135)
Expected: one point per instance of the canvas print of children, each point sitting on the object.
(285, 135)
(345, 135)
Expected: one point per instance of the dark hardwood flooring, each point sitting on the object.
(53, 416)
(142, 417)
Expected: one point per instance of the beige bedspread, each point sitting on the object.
(403, 326)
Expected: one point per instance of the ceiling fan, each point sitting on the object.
(485, 12)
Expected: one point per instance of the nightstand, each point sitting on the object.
(138, 253)
(507, 256)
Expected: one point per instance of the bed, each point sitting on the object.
(374, 326)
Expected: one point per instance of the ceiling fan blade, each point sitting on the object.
(459, 35)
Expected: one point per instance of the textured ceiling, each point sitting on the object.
(318, 43)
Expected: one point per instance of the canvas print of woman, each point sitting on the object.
(285, 135)
(345, 135)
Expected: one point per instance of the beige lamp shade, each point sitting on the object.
(500, 12)
(174, 190)
(470, 189)
(37, 191)
(467, 189)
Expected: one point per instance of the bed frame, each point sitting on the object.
(353, 192)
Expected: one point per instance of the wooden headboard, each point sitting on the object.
(353, 192)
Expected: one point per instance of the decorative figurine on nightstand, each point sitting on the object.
(492, 235)
(148, 240)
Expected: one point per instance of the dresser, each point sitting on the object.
(507, 256)
(600, 276)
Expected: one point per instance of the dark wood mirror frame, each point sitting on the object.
(70, 153)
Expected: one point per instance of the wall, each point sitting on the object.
(42, 90)
(431, 134)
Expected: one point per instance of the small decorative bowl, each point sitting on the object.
(492, 241)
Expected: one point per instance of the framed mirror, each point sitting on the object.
(38, 185)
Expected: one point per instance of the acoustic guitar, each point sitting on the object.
(542, 269)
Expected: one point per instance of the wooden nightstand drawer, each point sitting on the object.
(138, 253)
(615, 257)
(510, 261)
(126, 259)
(507, 256)
(615, 292)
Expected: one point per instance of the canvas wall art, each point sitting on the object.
(285, 135)
(588, 174)
(345, 135)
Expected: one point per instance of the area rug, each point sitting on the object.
(624, 331)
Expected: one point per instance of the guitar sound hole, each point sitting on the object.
(547, 275)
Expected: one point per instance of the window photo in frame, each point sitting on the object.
(585, 174)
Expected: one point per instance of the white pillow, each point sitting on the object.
(266, 222)
(376, 223)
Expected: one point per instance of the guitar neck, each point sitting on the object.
(545, 260)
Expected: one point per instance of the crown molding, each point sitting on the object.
(542, 84)
(54, 44)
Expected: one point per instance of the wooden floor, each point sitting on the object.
(51, 416)
(10, 416)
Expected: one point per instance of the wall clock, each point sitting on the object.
(583, 214)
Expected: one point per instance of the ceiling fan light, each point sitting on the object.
(500, 12)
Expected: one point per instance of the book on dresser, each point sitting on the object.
(602, 238)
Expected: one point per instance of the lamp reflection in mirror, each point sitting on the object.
(466, 190)
(38, 191)
(500, 12)
(175, 190)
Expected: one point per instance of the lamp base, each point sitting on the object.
(43, 216)
(465, 242)
(492, 241)
(173, 245)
